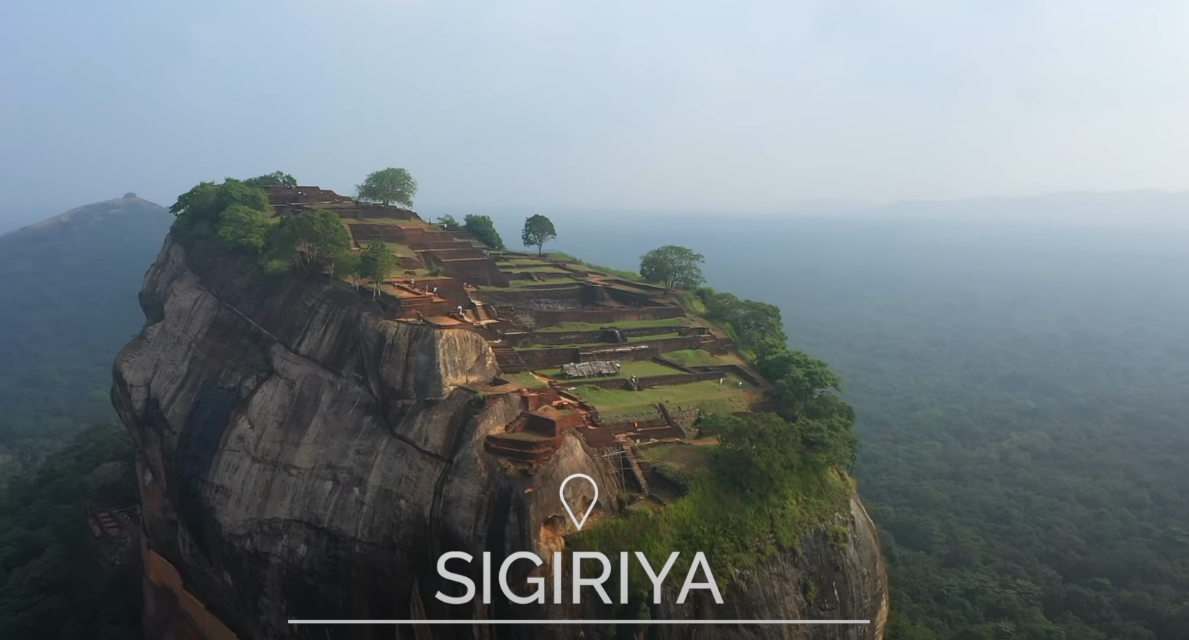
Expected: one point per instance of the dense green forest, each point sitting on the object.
(50, 583)
(68, 288)
(1021, 388)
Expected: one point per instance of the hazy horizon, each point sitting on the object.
(661, 106)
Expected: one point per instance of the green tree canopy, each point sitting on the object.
(447, 220)
(537, 231)
(673, 266)
(484, 229)
(387, 186)
(756, 325)
(243, 228)
(199, 208)
(349, 265)
(376, 264)
(312, 240)
(274, 179)
(769, 447)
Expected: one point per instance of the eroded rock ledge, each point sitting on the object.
(301, 456)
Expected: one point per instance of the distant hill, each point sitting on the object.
(68, 288)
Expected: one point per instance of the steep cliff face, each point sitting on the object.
(301, 456)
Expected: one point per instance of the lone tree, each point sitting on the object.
(388, 185)
(375, 264)
(274, 179)
(675, 267)
(348, 266)
(484, 229)
(537, 231)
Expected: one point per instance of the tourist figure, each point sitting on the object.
(740, 384)
(720, 381)
(435, 291)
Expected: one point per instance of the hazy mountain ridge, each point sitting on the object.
(67, 303)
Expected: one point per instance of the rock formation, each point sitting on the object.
(303, 456)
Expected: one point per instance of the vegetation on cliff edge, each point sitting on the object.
(775, 474)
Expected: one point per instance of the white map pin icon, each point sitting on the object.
(562, 493)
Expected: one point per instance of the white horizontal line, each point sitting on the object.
(579, 622)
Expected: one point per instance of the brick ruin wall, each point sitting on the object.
(480, 272)
(653, 331)
(440, 242)
(367, 233)
(529, 338)
(649, 382)
(554, 337)
(564, 297)
(541, 318)
(629, 298)
(601, 383)
(378, 212)
(463, 252)
(665, 345)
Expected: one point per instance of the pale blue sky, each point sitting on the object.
(633, 104)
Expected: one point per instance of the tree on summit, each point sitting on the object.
(537, 231)
(387, 186)
(675, 267)
(484, 229)
(274, 179)
(244, 228)
(198, 209)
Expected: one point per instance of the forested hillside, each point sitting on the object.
(51, 583)
(1021, 376)
(68, 290)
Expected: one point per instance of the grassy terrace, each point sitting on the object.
(529, 284)
(699, 358)
(685, 458)
(627, 324)
(400, 250)
(659, 336)
(708, 395)
(526, 380)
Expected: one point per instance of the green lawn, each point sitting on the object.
(683, 457)
(529, 284)
(708, 395)
(699, 358)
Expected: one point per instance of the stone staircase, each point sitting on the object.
(508, 360)
(629, 452)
